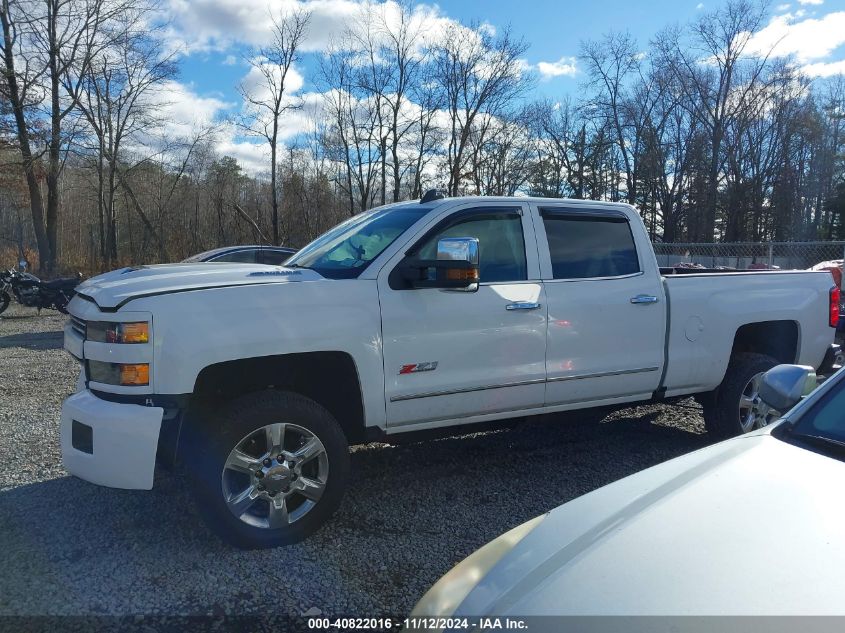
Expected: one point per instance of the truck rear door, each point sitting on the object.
(606, 310)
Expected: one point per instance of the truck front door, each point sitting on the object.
(450, 354)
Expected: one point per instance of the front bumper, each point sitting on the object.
(113, 444)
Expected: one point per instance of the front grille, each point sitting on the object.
(79, 326)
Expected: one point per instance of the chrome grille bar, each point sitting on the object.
(79, 326)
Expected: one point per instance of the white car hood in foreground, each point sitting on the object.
(115, 288)
(752, 526)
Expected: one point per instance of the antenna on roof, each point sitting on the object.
(433, 194)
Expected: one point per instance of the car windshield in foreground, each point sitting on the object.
(346, 250)
(822, 426)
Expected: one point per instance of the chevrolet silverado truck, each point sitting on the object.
(415, 316)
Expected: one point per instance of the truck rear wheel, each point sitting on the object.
(734, 407)
(272, 471)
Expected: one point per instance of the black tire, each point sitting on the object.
(5, 300)
(227, 428)
(721, 406)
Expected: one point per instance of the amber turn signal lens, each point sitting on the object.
(135, 332)
(462, 274)
(135, 375)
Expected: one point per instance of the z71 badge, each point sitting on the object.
(418, 367)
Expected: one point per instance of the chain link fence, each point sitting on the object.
(749, 255)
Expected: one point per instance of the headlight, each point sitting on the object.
(450, 591)
(123, 374)
(113, 332)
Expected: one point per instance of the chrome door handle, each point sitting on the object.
(644, 299)
(522, 305)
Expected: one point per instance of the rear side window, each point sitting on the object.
(584, 245)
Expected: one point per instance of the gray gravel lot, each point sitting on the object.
(411, 512)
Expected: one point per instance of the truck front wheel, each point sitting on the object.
(270, 470)
(734, 407)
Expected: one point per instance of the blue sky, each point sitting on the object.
(213, 36)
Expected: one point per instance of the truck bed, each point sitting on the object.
(708, 316)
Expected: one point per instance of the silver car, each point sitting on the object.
(754, 525)
(248, 254)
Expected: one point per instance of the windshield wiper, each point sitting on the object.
(819, 441)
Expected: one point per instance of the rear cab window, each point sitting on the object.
(589, 244)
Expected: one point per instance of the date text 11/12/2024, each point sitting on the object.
(418, 624)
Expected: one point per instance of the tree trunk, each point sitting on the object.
(55, 142)
(36, 202)
(274, 193)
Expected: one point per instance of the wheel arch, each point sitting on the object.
(779, 339)
(329, 378)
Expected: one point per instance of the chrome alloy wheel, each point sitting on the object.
(275, 475)
(753, 412)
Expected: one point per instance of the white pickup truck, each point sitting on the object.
(409, 317)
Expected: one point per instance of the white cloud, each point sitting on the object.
(230, 60)
(810, 1)
(822, 69)
(256, 84)
(184, 110)
(699, 6)
(203, 25)
(782, 7)
(809, 39)
(565, 66)
(253, 157)
(486, 27)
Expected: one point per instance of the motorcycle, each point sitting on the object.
(30, 291)
(5, 292)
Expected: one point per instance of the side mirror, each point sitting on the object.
(782, 387)
(456, 266)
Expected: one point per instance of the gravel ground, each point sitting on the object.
(68, 547)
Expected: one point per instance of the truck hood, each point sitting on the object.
(751, 526)
(113, 289)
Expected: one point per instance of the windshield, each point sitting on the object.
(346, 250)
(825, 419)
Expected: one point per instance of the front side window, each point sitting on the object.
(584, 245)
(501, 244)
(346, 250)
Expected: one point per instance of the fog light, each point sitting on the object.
(127, 375)
(135, 375)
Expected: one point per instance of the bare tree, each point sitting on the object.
(354, 137)
(477, 74)
(625, 95)
(717, 77)
(21, 84)
(47, 49)
(268, 99)
(121, 102)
